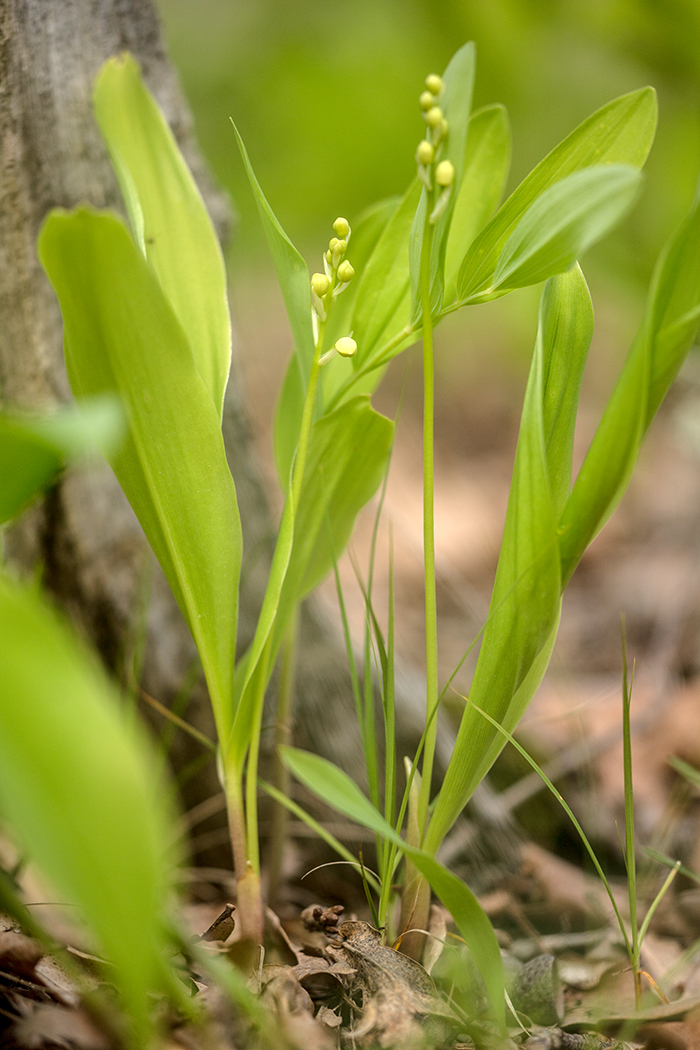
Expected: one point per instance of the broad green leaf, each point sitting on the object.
(522, 618)
(670, 326)
(456, 104)
(485, 171)
(168, 216)
(83, 795)
(563, 222)
(619, 133)
(294, 281)
(345, 464)
(123, 338)
(383, 302)
(565, 332)
(336, 789)
(33, 450)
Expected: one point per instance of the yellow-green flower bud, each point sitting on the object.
(341, 226)
(346, 346)
(425, 154)
(345, 272)
(426, 100)
(320, 284)
(434, 118)
(434, 83)
(445, 173)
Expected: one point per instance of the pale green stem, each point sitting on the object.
(431, 649)
(264, 670)
(283, 736)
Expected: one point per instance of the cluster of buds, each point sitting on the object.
(337, 274)
(431, 170)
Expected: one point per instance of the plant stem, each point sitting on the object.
(283, 735)
(431, 652)
(630, 857)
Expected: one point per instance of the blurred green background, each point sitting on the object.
(324, 94)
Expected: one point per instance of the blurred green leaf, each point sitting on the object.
(294, 281)
(28, 464)
(336, 789)
(523, 615)
(670, 326)
(565, 332)
(172, 465)
(34, 449)
(83, 794)
(486, 166)
(168, 216)
(621, 132)
(456, 104)
(563, 222)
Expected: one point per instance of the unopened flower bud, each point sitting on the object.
(320, 284)
(346, 346)
(426, 100)
(434, 83)
(445, 173)
(341, 226)
(425, 154)
(345, 272)
(434, 117)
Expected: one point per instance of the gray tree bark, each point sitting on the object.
(84, 534)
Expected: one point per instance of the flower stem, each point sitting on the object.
(431, 645)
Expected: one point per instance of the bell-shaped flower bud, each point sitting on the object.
(346, 346)
(425, 154)
(342, 227)
(434, 83)
(320, 284)
(445, 173)
(426, 100)
(346, 272)
(434, 118)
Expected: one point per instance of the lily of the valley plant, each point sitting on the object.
(146, 319)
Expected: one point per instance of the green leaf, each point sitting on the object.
(172, 465)
(294, 281)
(336, 788)
(522, 620)
(670, 326)
(565, 332)
(83, 794)
(456, 104)
(345, 464)
(34, 450)
(168, 216)
(28, 465)
(619, 133)
(486, 164)
(563, 222)
(383, 302)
